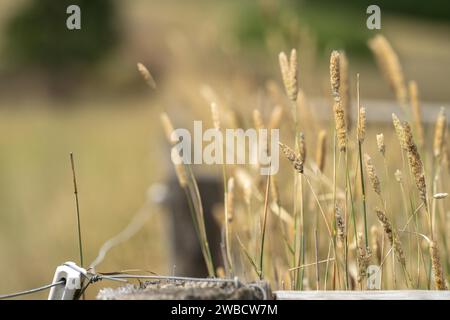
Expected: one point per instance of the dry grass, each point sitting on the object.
(324, 205)
(36, 184)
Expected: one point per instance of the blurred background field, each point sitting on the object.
(57, 96)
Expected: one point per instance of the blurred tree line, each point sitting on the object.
(36, 38)
(332, 23)
(423, 9)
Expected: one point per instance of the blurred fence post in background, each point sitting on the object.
(185, 253)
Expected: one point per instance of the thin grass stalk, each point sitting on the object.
(266, 203)
(361, 173)
(316, 246)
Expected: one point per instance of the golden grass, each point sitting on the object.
(248, 201)
(324, 215)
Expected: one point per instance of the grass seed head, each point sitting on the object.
(146, 75)
(439, 279)
(415, 163)
(399, 131)
(335, 79)
(292, 157)
(441, 195)
(340, 223)
(341, 129)
(439, 133)
(363, 258)
(390, 66)
(371, 172)
(302, 147)
(289, 70)
(361, 132)
(392, 236)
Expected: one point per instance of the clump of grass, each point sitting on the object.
(292, 250)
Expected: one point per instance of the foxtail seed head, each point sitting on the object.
(389, 64)
(340, 223)
(363, 258)
(302, 147)
(439, 133)
(335, 79)
(392, 236)
(289, 72)
(361, 124)
(292, 157)
(439, 279)
(399, 131)
(415, 163)
(341, 129)
(371, 172)
(146, 75)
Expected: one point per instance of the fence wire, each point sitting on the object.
(26, 292)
